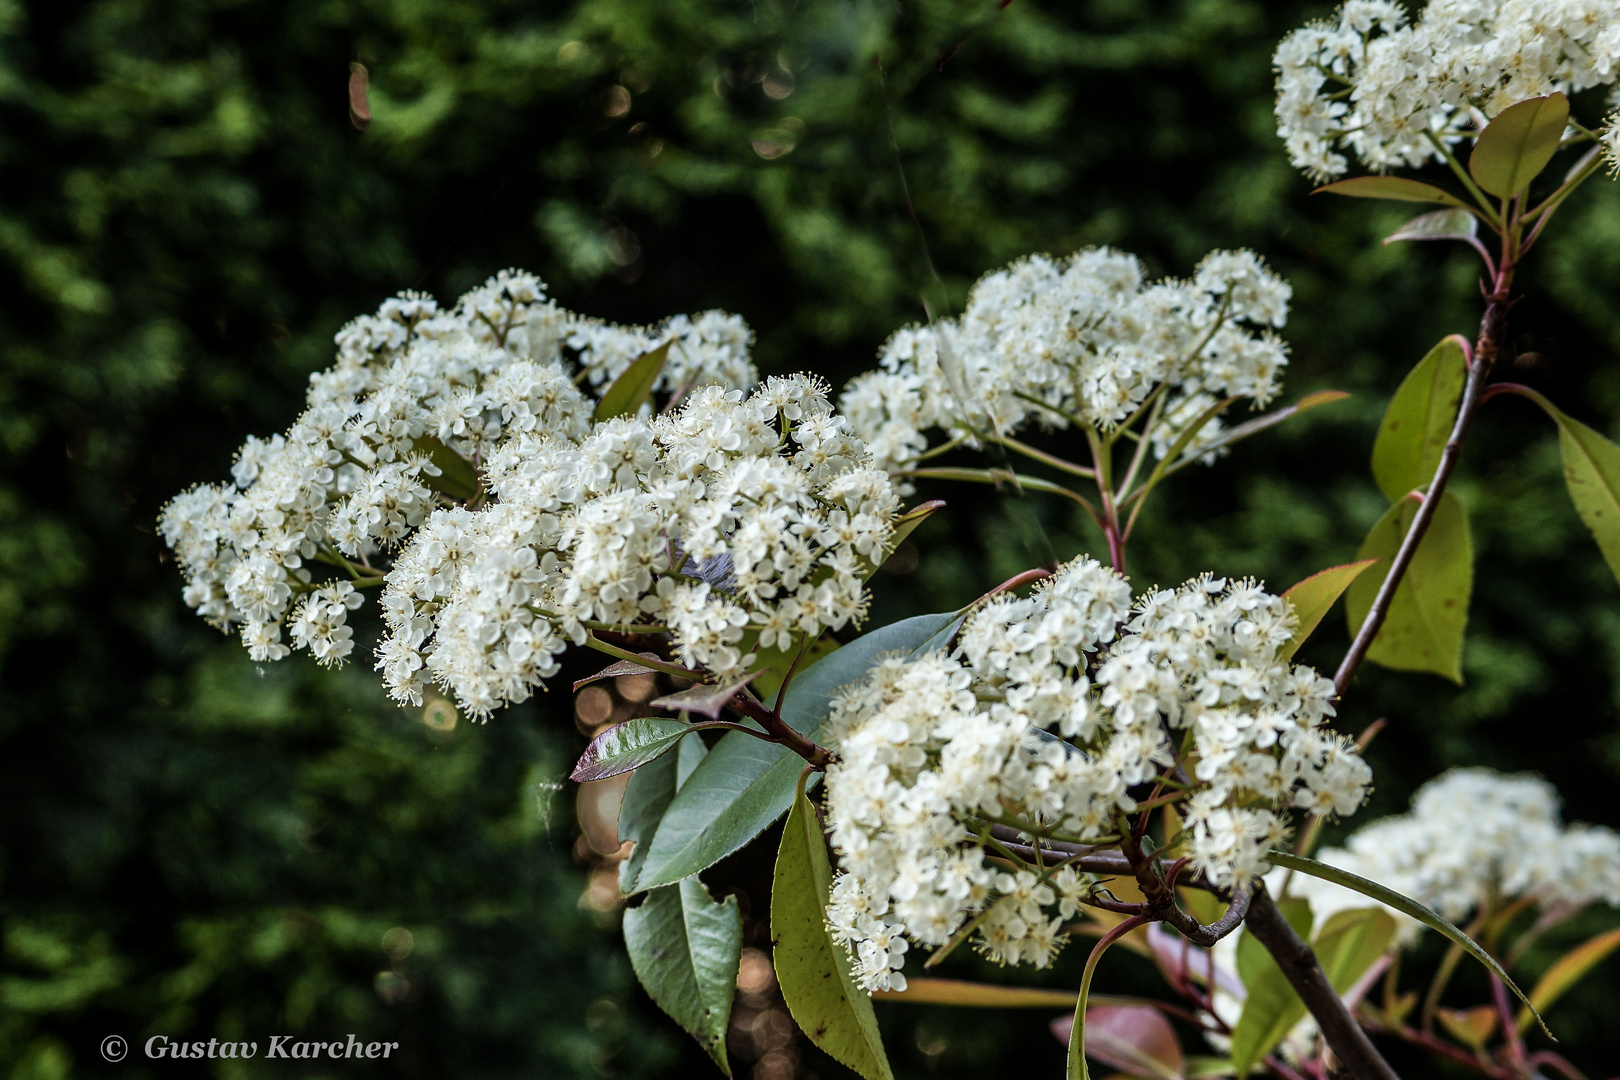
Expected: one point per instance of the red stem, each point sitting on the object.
(1484, 358)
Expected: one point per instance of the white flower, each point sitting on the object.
(1081, 339)
(1389, 91)
(735, 523)
(1052, 707)
(1475, 837)
(419, 402)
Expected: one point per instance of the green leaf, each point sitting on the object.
(646, 797)
(1351, 942)
(628, 746)
(1312, 597)
(1592, 474)
(685, 949)
(1568, 970)
(813, 969)
(1429, 613)
(745, 784)
(1252, 957)
(1406, 906)
(1449, 224)
(629, 392)
(1396, 188)
(1419, 420)
(1518, 144)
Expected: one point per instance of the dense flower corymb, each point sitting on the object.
(418, 399)
(1052, 709)
(1476, 837)
(1392, 92)
(1081, 340)
(735, 523)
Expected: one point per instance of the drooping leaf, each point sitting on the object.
(646, 797)
(685, 949)
(1518, 144)
(1419, 420)
(1134, 1038)
(745, 784)
(1568, 970)
(705, 698)
(615, 669)
(1406, 906)
(1429, 612)
(1312, 597)
(629, 392)
(1592, 474)
(1397, 188)
(1449, 224)
(628, 746)
(813, 969)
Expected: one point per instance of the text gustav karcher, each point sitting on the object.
(281, 1046)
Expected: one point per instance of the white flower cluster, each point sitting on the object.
(735, 523)
(417, 401)
(1475, 837)
(1049, 714)
(1084, 340)
(1387, 90)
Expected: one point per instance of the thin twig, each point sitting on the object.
(1484, 358)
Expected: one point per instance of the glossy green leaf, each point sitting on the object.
(646, 797)
(685, 949)
(629, 392)
(628, 746)
(1314, 596)
(1568, 970)
(1518, 144)
(813, 969)
(1429, 613)
(1406, 906)
(1592, 473)
(1449, 224)
(745, 784)
(1397, 188)
(1419, 421)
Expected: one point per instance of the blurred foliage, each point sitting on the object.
(196, 847)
